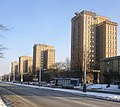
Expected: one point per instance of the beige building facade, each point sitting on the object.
(94, 34)
(110, 66)
(14, 67)
(106, 39)
(25, 64)
(43, 57)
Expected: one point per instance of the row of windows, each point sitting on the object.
(111, 37)
(111, 42)
(92, 46)
(89, 32)
(111, 46)
(111, 27)
(89, 17)
(110, 51)
(110, 55)
(91, 41)
(111, 32)
(92, 60)
(89, 22)
(91, 50)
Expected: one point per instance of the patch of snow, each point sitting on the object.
(2, 104)
(102, 87)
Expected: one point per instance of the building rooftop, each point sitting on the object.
(43, 45)
(108, 22)
(103, 17)
(110, 58)
(88, 12)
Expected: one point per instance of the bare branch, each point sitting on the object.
(2, 48)
(1, 55)
(4, 28)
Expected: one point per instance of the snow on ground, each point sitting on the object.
(102, 87)
(105, 96)
(2, 103)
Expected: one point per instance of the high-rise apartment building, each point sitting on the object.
(14, 70)
(106, 40)
(96, 35)
(25, 64)
(14, 67)
(43, 57)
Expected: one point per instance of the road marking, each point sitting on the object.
(15, 88)
(27, 101)
(78, 102)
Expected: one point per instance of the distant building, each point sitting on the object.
(110, 66)
(14, 67)
(14, 71)
(25, 65)
(43, 57)
(95, 34)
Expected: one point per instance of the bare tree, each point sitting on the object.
(2, 48)
(59, 65)
(67, 64)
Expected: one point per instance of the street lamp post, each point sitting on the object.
(14, 77)
(108, 75)
(21, 76)
(84, 85)
(9, 76)
(40, 74)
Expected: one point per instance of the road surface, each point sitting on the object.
(22, 96)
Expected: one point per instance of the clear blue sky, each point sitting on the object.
(45, 21)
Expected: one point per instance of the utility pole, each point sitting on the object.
(21, 76)
(14, 77)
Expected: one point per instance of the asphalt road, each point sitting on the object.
(21, 96)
